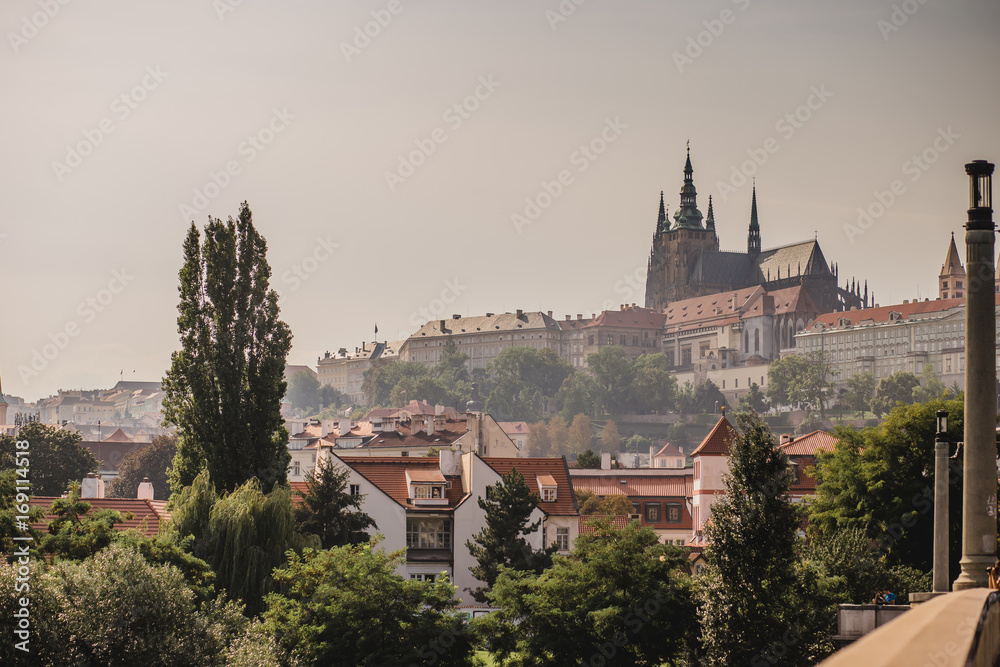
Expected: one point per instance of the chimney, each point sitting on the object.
(785, 439)
(92, 486)
(456, 316)
(345, 426)
(550, 314)
(441, 325)
(568, 318)
(326, 427)
(450, 462)
(145, 490)
(520, 313)
(652, 453)
(429, 425)
(579, 316)
(605, 461)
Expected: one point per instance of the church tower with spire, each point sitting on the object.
(951, 280)
(753, 236)
(677, 247)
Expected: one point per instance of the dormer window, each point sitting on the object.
(426, 487)
(547, 488)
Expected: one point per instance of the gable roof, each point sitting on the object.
(629, 318)
(807, 445)
(532, 469)
(389, 474)
(805, 257)
(118, 435)
(716, 443)
(148, 515)
(669, 450)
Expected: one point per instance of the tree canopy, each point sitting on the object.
(892, 390)
(800, 380)
(329, 510)
(225, 385)
(152, 461)
(54, 454)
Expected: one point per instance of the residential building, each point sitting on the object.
(711, 464)
(668, 456)
(429, 506)
(685, 260)
(801, 452)
(517, 432)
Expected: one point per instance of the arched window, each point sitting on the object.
(756, 340)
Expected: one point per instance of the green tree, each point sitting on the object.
(614, 376)
(755, 400)
(931, 388)
(9, 513)
(225, 384)
(620, 597)
(747, 602)
(385, 376)
(522, 381)
(331, 397)
(116, 609)
(655, 387)
(55, 457)
(76, 533)
(508, 505)
(304, 392)
(611, 441)
(348, 606)
(588, 459)
(558, 436)
(329, 511)
(708, 398)
(243, 536)
(152, 461)
(894, 389)
(614, 505)
(577, 396)
(860, 391)
(800, 380)
(881, 481)
(636, 444)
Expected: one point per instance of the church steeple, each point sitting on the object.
(688, 216)
(951, 280)
(710, 220)
(661, 220)
(753, 237)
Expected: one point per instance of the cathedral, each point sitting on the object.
(685, 260)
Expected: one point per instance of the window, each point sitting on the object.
(635, 509)
(674, 512)
(427, 491)
(590, 339)
(652, 512)
(355, 489)
(423, 577)
(295, 469)
(621, 338)
(548, 494)
(562, 539)
(428, 533)
(635, 341)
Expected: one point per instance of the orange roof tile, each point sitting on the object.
(632, 318)
(716, 443)
(531, 469)
(618, 521)
(881, 314)
(388, 473)
(669, 450)
(807, 445)
(651, 486)
(147, 515)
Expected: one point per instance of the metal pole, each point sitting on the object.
(979, 493)
(941, 565)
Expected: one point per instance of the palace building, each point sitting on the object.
(685, 260)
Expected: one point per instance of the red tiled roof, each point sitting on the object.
(669, 450)
(388, 473)
(881, 314)
(117, 436)
(531, 469)
(648, 486)
(716, 443)
(632, 318)
(618, 521)
(787, 300)
(807, 445)
(147, 514)
(513, 427)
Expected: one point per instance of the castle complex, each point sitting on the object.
(685, 260)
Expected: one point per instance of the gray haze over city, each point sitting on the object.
(410, 159)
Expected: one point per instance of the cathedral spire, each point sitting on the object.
(661, 220)
(753, 237)
(710, 220)
(687, 216)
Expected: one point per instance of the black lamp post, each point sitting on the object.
(941, 584)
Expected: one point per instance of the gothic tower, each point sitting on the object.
(951, 281)
(753, 237)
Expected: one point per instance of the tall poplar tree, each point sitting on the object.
(225, 384)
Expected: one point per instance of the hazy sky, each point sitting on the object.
(121, 119)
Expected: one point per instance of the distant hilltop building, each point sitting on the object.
(685, 260)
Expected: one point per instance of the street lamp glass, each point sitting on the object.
(942, 422)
